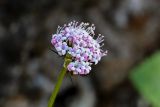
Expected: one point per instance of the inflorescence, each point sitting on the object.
(77, 40)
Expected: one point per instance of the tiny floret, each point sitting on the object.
(77, 40)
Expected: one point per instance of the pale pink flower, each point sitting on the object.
(77, 39)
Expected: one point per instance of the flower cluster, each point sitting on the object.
(77, 40)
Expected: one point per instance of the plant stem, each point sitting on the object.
(59, 82)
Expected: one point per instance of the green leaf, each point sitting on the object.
(146, 78)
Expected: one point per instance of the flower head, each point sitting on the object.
(77, 40)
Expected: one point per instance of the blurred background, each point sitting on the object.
(29, 69)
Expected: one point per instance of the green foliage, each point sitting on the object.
(146, 78)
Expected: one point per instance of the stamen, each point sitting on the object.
(102, 45)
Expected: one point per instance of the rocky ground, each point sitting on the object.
(29, 69)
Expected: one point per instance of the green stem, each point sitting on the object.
(59, 82)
